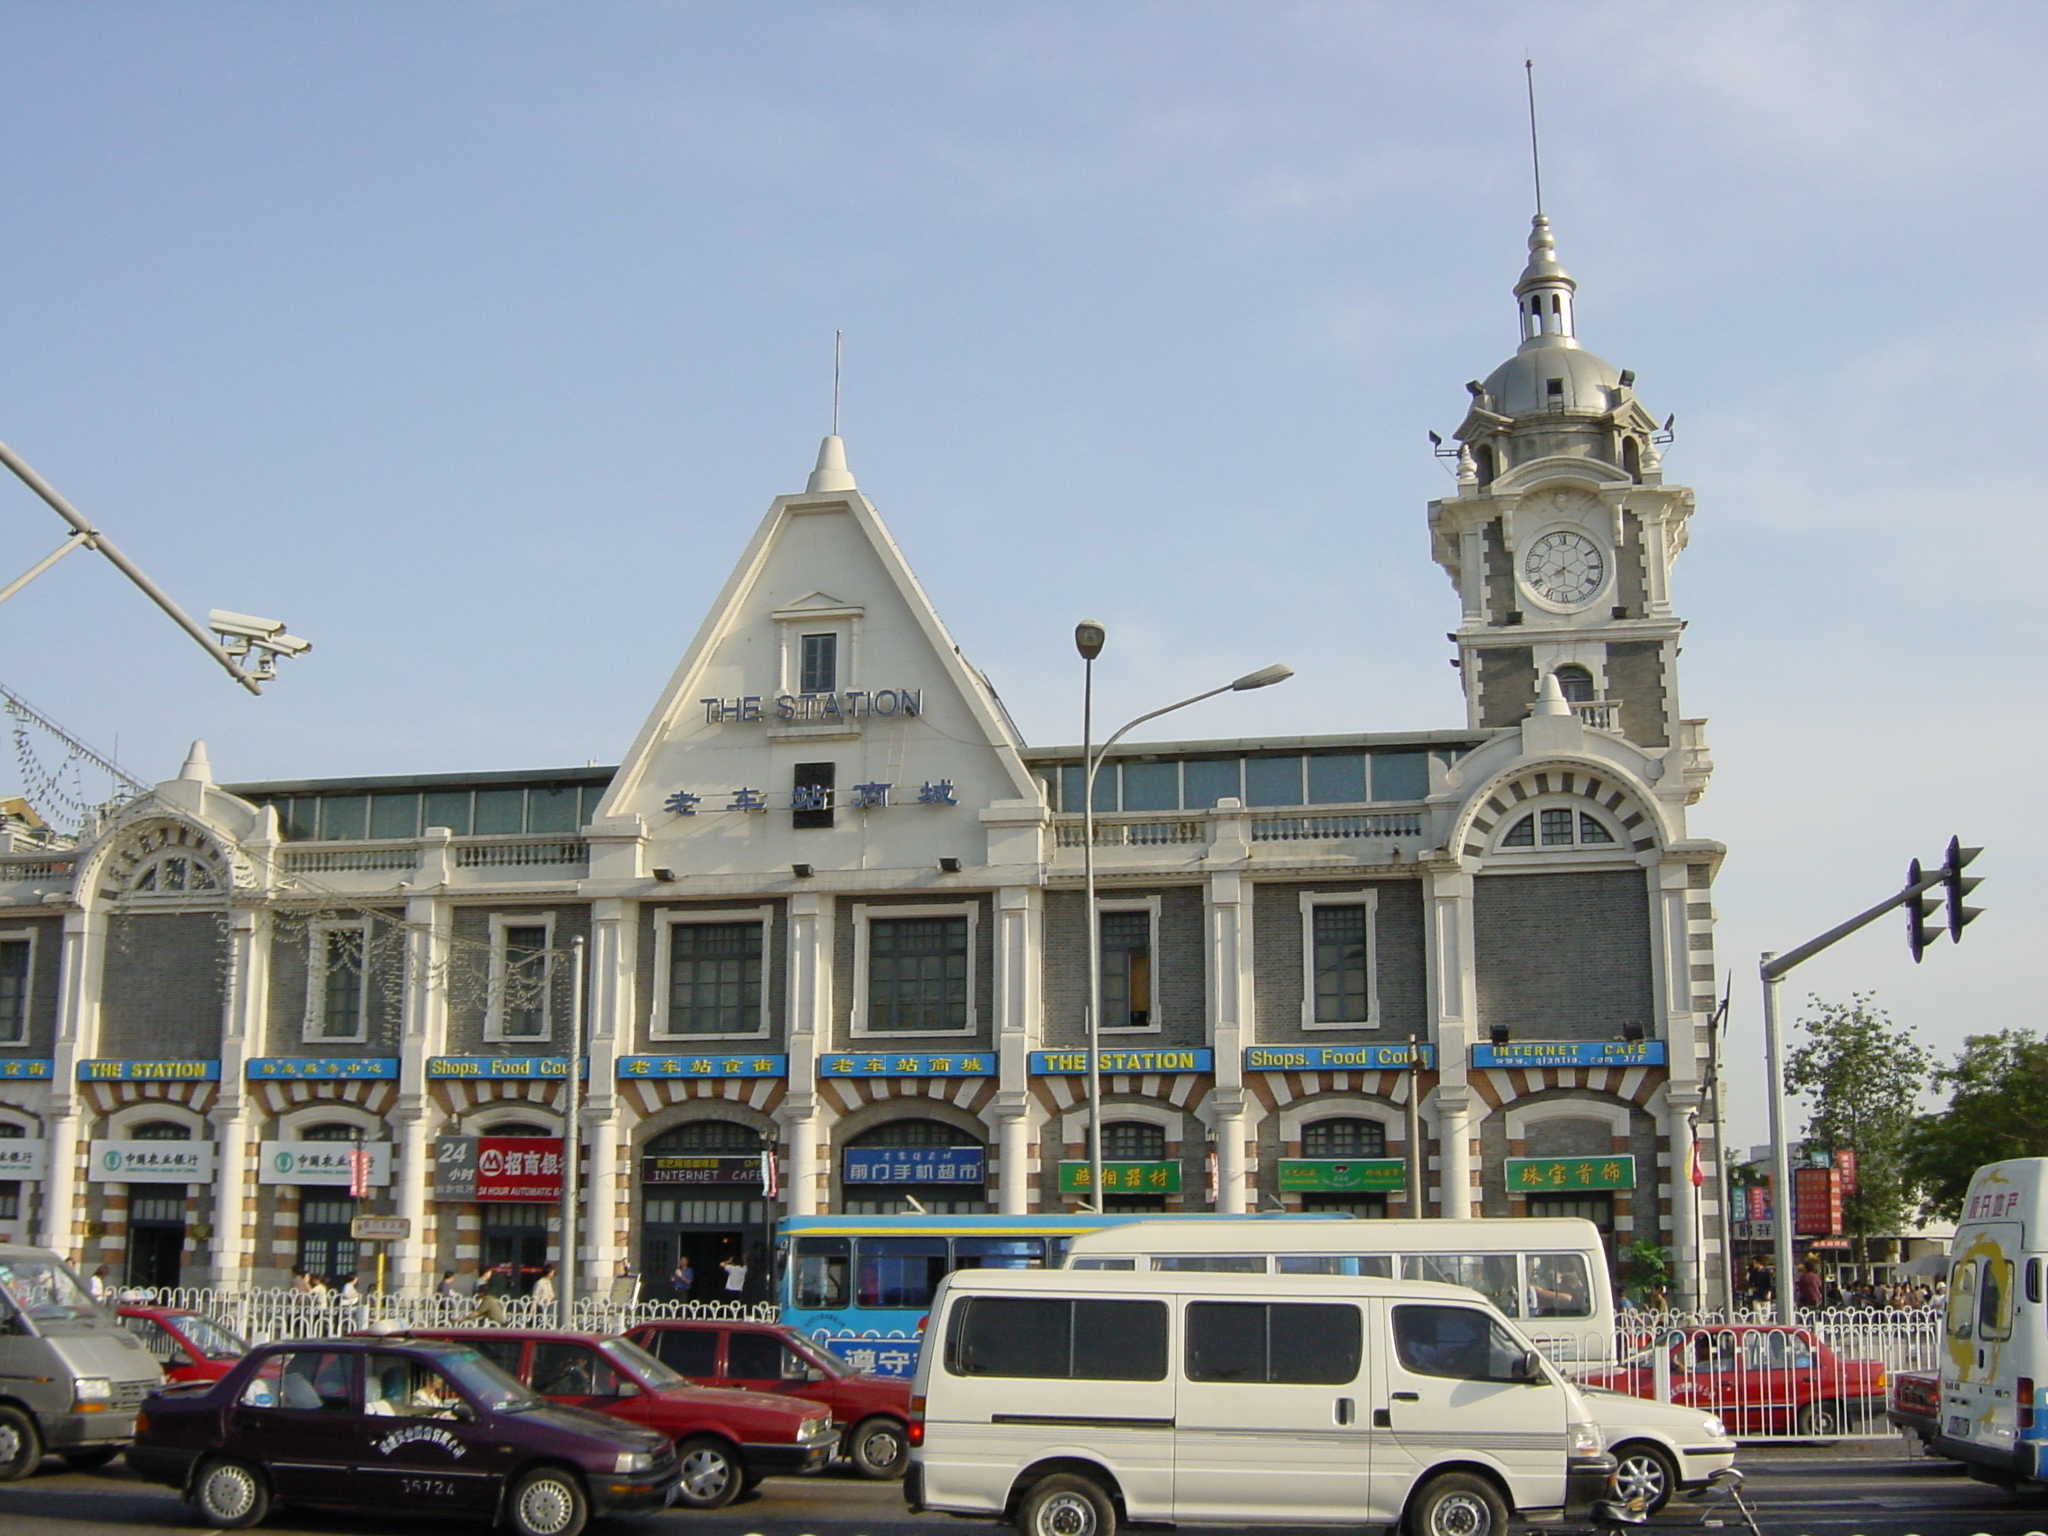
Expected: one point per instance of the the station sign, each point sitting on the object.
(1075, 1063)
(148, 1071)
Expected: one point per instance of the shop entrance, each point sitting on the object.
(327, 1246)
(702, 1211)
(515, 1243)
(941, 1168)
(156, 1236)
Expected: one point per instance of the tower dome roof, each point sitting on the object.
(1521, 386)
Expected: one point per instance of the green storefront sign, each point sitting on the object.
(1161, 1178)
(1342, 1175)
(1559, 1175)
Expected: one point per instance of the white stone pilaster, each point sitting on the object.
(242, 1017)
(810, 1019)
(423, 1031)
(1452, 980)
(614, 935)
(1229, 923)
(1019, 1006)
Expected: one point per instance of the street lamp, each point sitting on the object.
(1088, 639)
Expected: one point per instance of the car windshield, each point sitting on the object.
(485, 1382)
(637, 1362)
(46, 1290)
(208, 1337)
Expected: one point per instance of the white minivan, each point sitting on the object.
(1995, 1372)
(1074, 1401)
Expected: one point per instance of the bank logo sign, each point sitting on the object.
(320, 1162)
(23, 1159)
(150, 1162)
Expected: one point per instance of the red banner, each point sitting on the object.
(1759, 1202)
(1845, 1165)
(519, 1168)
(1816, 1202)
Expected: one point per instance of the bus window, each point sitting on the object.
(1962, 1300)
(1492, 1275)
(1335, 1264)
(1558, 1286)
(1212, 1263)
(999, 1253)
(821, 1264)
(900, 1271)
(1994, 1300)
(1123, 1264)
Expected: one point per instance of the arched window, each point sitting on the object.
(1632, 459)
(1344, 1138)
(518, 1128)
(1575, 682)
(334, 1130)
(705, 1138)
(913, 1133)
(160, 1130)
(1483, 462)
(1558, 827)
(1133, 1141)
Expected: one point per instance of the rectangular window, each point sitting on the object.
(1557, 828)
(1055, 1339)
(1340, 964)
(1493, 1275)
(394, 816)
(714, 979)
(1337, 779)
(500, 812)
(1277, 1342)
(1457, 1342)
(899, 1271)
(820, 670)
(1994, 1300)
(551, 810)
(1151, 786)
(1272, 781)
(305, 1381)
(917, 974)
(1126, 969)
(344, 816)
(342, 993)
(810, 795)
(1400, 775)
(448, 808)
(15, 957)
(1207, 780)
(521, 982)
(1072, 778)
(822, 1272)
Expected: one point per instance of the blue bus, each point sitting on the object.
(862, 1285)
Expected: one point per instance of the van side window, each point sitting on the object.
(1028, 1338)
(1212, 1263)
(1335, 1264)
(1994, 1300)
(1456, 1342)
(1962, 1301)
(1282, 1342)
(1493, 1275)
(1124, 1264)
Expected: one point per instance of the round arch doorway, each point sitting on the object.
(703, 1215)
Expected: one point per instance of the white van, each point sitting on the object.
(1997, 1327)
(1074, 1401)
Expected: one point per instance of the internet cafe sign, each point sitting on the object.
(321, 1162)
(151, 1162)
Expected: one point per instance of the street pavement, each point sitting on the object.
(1850, 1489)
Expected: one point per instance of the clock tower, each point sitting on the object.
(1562, 533)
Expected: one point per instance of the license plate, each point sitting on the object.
(1958, 1427)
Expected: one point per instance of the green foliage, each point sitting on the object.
(1998, 1108)
(1864, 1076)
(1643, 1266)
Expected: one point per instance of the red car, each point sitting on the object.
(726, 1442)
(188, 1345)
(1759, 1379)
(870, 1412)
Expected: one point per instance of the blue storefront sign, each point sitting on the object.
(1338, 1058)
(39, 1069)
(946, 1064)
(149, 1071)
(704, 1066)
(370, 1067)
(1570, 1053)
(1075, 1063)
(501, 1067)
(914, 1165)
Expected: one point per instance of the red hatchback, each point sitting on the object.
(1759, 1379)
(870, 1412)
(726, 1441)
(188, 1345)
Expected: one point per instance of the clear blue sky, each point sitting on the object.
(472, 340)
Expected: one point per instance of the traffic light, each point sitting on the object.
(1958, 885)
(1921, 931)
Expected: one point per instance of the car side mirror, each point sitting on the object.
(814, 1373)
(629, 1389)
(1530, 1367)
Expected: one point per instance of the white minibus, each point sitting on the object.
(1996, 1327)
(1074, 1401)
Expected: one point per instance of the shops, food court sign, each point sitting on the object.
(914, 1165)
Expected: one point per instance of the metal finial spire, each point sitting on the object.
(1535, 155)
(838, 339)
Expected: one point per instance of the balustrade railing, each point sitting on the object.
(1288, 829)
(515, 855)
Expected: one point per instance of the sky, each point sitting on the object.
(472, 340)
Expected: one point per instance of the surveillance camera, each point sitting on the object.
(283, 644)
(244, 624)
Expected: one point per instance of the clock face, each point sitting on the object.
(1564, 568)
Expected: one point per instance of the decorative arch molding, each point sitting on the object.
(695, 1112)
(30, 1125)
(1298, 1116)
(303, 1100)
(1504, 1088)
(869, 1117)
(1637, 819)
(161, 854)
(842, 1097)
(1074, 1123)
(654, 1096)
(486, 1120)
(293, 1123)
(1188, 1091)
(460, 1098)
(111, 1099)
(1616, 1116)
(122, 1123)
(1277, 1091)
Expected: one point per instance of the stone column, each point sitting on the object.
(1020, 1021)
(810, 1023)
(1230, 1003)
(608, 1020)
(65, 1116)
(232, 1114)
(423, 1029)
(1453, 1025)
(1675, 1124)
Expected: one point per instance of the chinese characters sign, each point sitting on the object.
(320, 1162)
(38, 1069)
(1073, 1063)
(704, 1066)
(1320, 1175)
(1570, 1053)
(149, 1071)
(151, 1162)
(812, 797)
(1123, 1178)
(742, 1172)
(966, 1064)
(1560, 1175)
(518, 1168)
(913, 1165)
(371, 1067)
(1816, 1202)
(1335, 1058)
(23, 1158)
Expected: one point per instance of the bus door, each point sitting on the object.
(1978, 1396)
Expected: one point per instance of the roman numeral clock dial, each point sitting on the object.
(1564, 568)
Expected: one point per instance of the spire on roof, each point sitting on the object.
(831, 473)
(196, 767)
(1544, 291)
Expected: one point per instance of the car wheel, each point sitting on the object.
(878, 1448)
(92, 1460)
(1645, 1471)
(1066, 1505)
(548, 1502)
(21, 1448)
(1457, 1504)
(230, 1494)
(712, 1474)
(1821, 1419)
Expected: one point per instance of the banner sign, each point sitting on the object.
(1075, 1063)
(151, 1162)
(149, 1071)
(1124, 1178)
(501, 1067)
(1555, 1175)
(725, 1171)
(973, 1064)
(371, 1067)
(1816, 1202)
(380, 1229)
(519, 1168)
(1328, 1175)
(914, 1165)
(320, 1162)
(23, 1159)
(1570, 1053)
(703, 1066)
(36, 1069)
(454, 1167)
(1337, 1058)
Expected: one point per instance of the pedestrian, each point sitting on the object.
(97, 1284)
(448, 1290)
(682, 1278)
(543, 1294)
(489, 1308)
(302, 1283)
(351, 1293)
(735, 1275)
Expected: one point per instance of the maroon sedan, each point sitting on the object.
(726, 1441)
(870, 1412)
(188, 1345)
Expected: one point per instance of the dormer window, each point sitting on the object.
(1559, 827)
(1575, 683)
(1554, 389)
(820, 664)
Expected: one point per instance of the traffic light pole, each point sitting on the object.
(1772, 970)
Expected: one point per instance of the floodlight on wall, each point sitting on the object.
(1632, 1031)
(802, 871)
(1499, 1034)
(949, 866)
(665, 876)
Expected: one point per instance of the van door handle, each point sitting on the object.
(1407, 1397)
(1381, 1419)
(1344, 1410)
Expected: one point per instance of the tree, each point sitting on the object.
(1998, 1108)
(1864, 1076)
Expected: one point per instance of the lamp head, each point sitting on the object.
(1264, 677)
(1088, 638)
